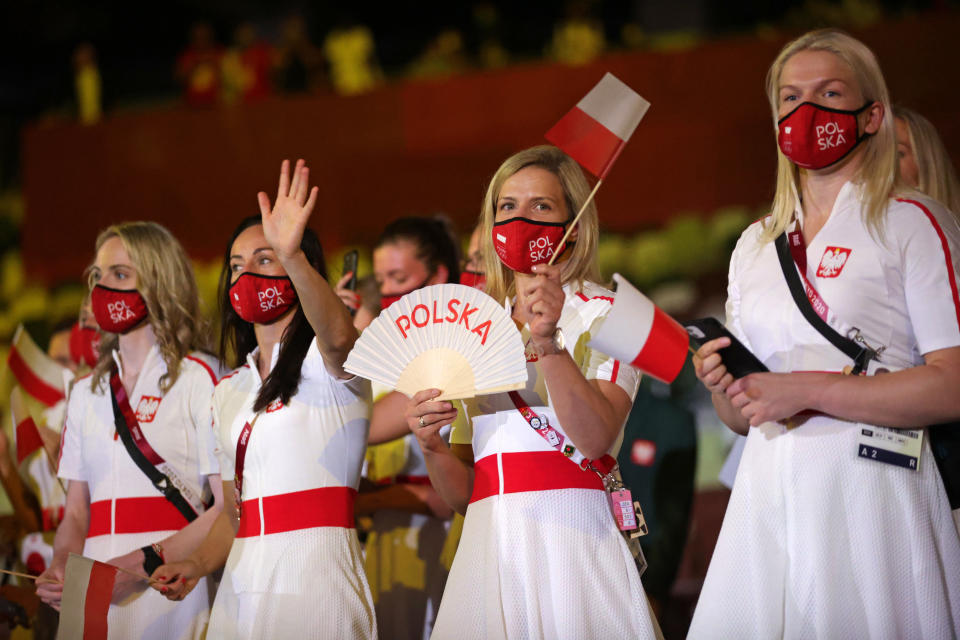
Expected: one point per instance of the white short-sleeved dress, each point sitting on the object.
(818, 542)
(126, 511)
(540, 555)
(295, 569)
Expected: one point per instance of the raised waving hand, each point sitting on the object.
(283, 224)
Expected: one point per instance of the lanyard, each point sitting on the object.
(539, 423)
(242, 443)
(798, 249)
(133, 426)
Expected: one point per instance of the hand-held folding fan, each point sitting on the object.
(445, 336)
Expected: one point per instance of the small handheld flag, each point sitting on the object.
(87, 591)
(595, 131)
(638, 332)
(38, 374)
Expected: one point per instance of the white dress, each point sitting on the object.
(126, 511)
(818, 542)
(537, 561)
(295, 569)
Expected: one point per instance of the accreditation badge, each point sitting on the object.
(899, 447)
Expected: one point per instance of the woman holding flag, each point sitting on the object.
(291, 427)
(541, 555)
(140, 421)
(837, 527)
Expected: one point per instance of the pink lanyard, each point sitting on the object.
(798, 249)
(539, 423)
(238, 467)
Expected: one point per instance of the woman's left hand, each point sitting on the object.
(542, 300)
(283, 225)
(125, 584)
(768, 397)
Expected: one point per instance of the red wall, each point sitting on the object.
(420, 147)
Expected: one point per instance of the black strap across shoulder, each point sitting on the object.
(944, 438)
(860, 354)
(157, 477)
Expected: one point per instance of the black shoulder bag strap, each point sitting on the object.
(121, 414)
(944, 439)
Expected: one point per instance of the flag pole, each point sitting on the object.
(572, 225)
(18, 574)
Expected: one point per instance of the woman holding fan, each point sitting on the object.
(150, 383)
(291, 428)
(541, 554)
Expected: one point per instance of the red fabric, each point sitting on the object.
(50, 522)
(530, 471)
(665, 349)
(134, 515)
(96, 603)
(28, 439)
(203, 364)
(322, 507)
(946, 253)
(31, 382)
(587, 141)
(133, 425)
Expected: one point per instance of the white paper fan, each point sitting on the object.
(445, 336)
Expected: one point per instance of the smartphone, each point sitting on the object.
(350, 266)
(738, 360)
(350, 259)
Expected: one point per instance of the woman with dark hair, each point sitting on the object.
(291, 427)
(410, 520)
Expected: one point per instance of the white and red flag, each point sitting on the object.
(594, 132)
(87, 590)
(38, 374)
(639, 332)
(25, 431)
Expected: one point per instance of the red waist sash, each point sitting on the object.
(322, 507)
(134, 515)
(530, 471)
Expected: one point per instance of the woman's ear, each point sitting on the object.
(874, 115)
(440, 276)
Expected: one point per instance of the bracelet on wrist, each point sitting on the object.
(152, 557)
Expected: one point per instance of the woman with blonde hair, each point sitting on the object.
(541, 555)
(925, 164)
(137, 448)
(839, 524)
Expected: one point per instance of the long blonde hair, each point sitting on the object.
(582, 264)
(936, 173)
(877, 174)
(165, 280)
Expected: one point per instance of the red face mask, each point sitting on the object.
(117, 310)
(473, 279)
(521, 243)
(84, 343)
(386, 301)
(815, 137)
(261, 299)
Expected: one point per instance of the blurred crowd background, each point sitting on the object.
(179, 112)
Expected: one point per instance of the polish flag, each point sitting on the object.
(594, 132)
(638, 332)
(87, 590)
(38, 374)
(26, 434)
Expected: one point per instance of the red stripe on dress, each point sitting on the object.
(134, 515)
(583, 297)
(665, 349)
(96, 603)
(530, 471)
(321, 507)
(31, 382)
(584, 139)
(28, 439)
(946, 253)
(616, 370)
(203, 364)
